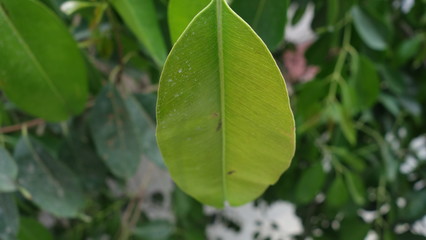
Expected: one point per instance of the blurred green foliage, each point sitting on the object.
(359, 116)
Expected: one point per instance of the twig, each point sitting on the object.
(18, 127)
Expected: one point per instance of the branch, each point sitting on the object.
(18, 127)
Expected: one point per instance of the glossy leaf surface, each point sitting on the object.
(225, 127)
(9, 218)
(266, 17)
(140, 16)
(180, 13)
(52, 186)
(8, 171)
(35, 61)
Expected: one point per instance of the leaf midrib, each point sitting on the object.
(31, 55)
(222, 91)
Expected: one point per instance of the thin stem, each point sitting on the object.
(20, 126)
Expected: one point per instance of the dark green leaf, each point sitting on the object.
(140, 16)
(43, 71)
(31, 228)
(416, 206)
(349, 158)
(370, 29)
(337, 194)
(52, 186)
(390, 103)
(310, 183)
(144, 127)
(8, 171)
(9, 217)
(266, 17)
(353, 229)
(149, 103)
(356, 187)
(409, 48)
(115, 137)
(366, 82)
(79, 155)
(340, 115)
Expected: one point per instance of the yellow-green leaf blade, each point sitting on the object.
(225, 127)
(180, 14)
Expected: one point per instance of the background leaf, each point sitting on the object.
(267, 17)
(9, 217)
(337, 194)
(370, 30)
(52, 186)
(226, 104)
(140, 16)
(35, 69)
(310, 183)
(8, 171)
(30, 228)
(144, 126)
(114, 134)
(366, 83)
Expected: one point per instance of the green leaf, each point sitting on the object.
(349, 158)
(266, 17)
(409, 48)
(356, 187)
(225, 127)
(369, 29)
(390, 103)
(30, 228)
(43, 71)
(340, 115)
(337, 194)
(310, 183)
(333, 8)
(353, 229)
(149, 103)
(4, 116)
(140, 16)
(51, 185)
(156, 230)
(180, 14)
(114, 134)
(391, 163)
(123, 131)
(8, 171)
(366, 82)
(144, 127)
(79, 155)
(9, 217)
